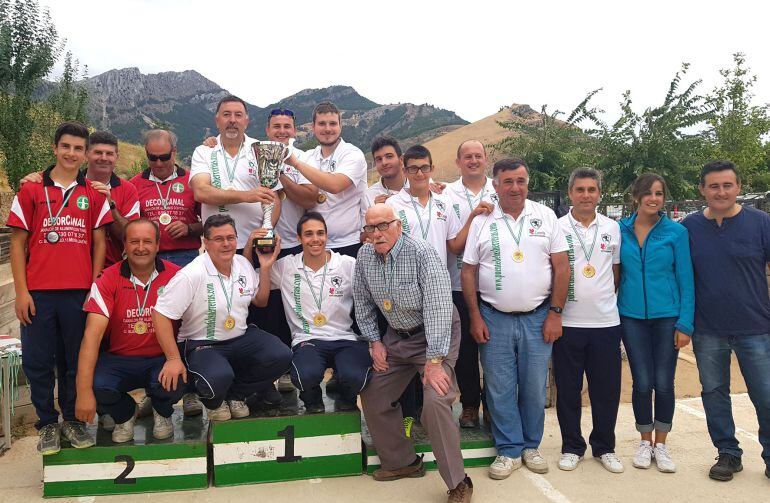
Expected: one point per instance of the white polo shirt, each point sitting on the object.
(440, 220)
(288, 274)
(342, 211)
(463, 202)
(195, 296)
(377, 189)
(291, 212)
(213, 161)
(591, 302)
(508, 285)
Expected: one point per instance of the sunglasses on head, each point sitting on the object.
(161, 157)
(281, 111)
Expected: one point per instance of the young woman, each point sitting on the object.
(656, 302)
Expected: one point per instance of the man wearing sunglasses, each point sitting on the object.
(165, 197)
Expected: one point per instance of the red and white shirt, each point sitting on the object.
(66, 264)
(113, 296)
(127, 203)
(177, 196)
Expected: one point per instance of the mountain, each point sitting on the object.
(128, 102)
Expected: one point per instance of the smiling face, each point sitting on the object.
(420, 179)
(720, 189)
(387, 162)
(471, 159)
(280, 128)
(327, 128)
(585, 195)
(232, 120)
(512, 187)
(313, 238)
(651, 201)
(221, 244)
(101, 158)
(70, 152)
(141, 245)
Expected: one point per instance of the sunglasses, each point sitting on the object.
(162, 157)
(281, 111)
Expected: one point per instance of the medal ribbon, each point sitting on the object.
(139, 306)
(55, 219)
(426, 229)
(389, 281)
(231, 172)
(318, 300)
(164, 202)
(229, 298)
(470, 199)
(516, 238)
(590, 251)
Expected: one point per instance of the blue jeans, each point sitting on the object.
(179, 257)
(515, 363)
(652, 356)
(712, 353)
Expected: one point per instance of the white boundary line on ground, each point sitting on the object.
(702, 415)
(545, 487)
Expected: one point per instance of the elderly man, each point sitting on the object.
(517, 256)
(405, 280)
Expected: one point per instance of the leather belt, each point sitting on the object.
(515, 313)
(405, 334)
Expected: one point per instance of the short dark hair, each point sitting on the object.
(218, 220)
(326, 107)
(142, 220)
(578, 173)
(417, 152)
(719, 165)
(509, 164)
(72, 128)
(104, 138)
(310, 215)
(462, 144)
(381, 142)
(643, 184)
(230, 98)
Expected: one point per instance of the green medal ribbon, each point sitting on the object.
(590, 251)
(423, 229)
(318, 300)
(229, 299)
(516, 238)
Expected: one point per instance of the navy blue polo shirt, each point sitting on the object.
(731, 294)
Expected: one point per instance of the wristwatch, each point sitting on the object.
(112, 205)
(438, 360)
(556, 309)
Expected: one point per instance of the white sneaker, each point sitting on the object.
(238, 409)
(502, 467)
(663, 459)
(611, 462)
(106, 422)
(643, 456)
(569, 461)
(124, 432)
(162, 427)
(191, 405)
(534, 461)
(221, 413)
(284, 384)
(144, 407)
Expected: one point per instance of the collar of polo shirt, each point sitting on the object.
(524, 212)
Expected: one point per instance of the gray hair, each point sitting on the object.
(584, 173)
(160, 134)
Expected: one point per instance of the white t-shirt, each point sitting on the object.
(342, 211)
(196, 296)
(213, 161)
(462, 205)
(300, 306)
(291, 212)
(591, 302)
(439, 221)
(508, 285)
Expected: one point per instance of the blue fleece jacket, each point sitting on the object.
(656, 279)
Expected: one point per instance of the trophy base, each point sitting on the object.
(265, 244)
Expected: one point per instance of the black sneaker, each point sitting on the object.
(333, 384)
(75, 432)
(315, 408)
(726, 465)
(48, 441)
(270, 397)
(767, 471)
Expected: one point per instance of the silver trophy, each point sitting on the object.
(270, 156)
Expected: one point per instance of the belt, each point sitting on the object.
(515, 313)
(405, 334)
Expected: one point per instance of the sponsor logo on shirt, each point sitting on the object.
(336, 289)
(534, 227)
(66, 220)
(606, 242)
(178, 188)
(82, 203)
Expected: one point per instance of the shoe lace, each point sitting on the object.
(48, 433)
(458, 493)
(610, 457)
(661, 451)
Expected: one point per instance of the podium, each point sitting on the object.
(476, 444)
(287, 444)
(142, 465)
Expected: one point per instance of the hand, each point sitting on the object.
(379, 356)
(25, 308)
(268, 259)
(177, 229)
(102, 189)
(681, 339)
(381, 198)
(483, 208)
(259, 195)
(436, 376)
(552, 327)
(479, 330)
(33, 177)
(437, 187)
(210, 142)
(85, 405)
(292, 160)
(169, 374)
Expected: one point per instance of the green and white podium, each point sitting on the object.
(286, 444)
(142, 465)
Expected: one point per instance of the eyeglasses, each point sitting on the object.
(382, 226)
(161, 157)
(412, 170)
(281, 111)
(222, 239)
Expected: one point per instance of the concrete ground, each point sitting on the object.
(21, 472)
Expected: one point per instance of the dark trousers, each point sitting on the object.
(53, 340)
(350, 250)
(467, 366)
(236, 368)
(116, 375)
(595, 351)
(350, 359)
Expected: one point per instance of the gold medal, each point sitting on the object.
(140, 327)
(319, 319)
(387, 305)
(321, 198)
(518, 256)
(283, 195)
(165, 218)
(589, 271)
(229, 322)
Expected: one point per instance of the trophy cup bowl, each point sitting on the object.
(270, 156)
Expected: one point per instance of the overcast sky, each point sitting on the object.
(471, 57)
